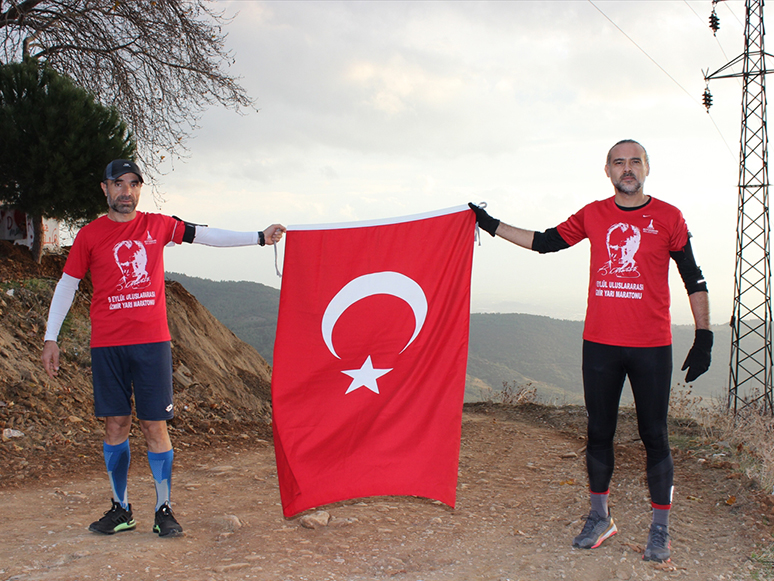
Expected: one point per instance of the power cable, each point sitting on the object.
(720, 46)
(643, 51)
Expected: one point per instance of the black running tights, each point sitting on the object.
(649, 369)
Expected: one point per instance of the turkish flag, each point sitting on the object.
(370, 358)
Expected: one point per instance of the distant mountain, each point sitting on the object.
(249, 309)
(519, 349)
(505, 348)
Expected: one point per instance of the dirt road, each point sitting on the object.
(521, 493)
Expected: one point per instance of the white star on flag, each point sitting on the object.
(366, 376)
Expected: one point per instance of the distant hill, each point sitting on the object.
(249, 309)
(510, 348)
(519, 349)
(546, 352)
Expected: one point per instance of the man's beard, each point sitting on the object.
(124, 207)
(631, 187)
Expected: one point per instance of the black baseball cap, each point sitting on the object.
(119, 167)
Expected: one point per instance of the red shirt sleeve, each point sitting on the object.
(573, 230)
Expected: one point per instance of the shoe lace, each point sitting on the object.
(112, 513)
(658, 537)
(591, 521)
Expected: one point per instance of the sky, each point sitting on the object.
(372, 110)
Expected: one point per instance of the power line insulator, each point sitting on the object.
(707, 99)
(714, 22)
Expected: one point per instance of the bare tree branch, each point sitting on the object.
(161, 63)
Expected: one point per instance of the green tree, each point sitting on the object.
(56, 140)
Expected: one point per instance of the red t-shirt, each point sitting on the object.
(126, 260)
(628, 302)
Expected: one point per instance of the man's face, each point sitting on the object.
(123, 193)
(627, 168)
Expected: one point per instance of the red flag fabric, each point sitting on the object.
(370, 358)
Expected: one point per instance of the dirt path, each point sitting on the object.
(521, 493)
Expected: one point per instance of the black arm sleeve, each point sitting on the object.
(190, 230)
(548, 241)
(690, 272)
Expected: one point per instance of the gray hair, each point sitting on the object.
(647, 161)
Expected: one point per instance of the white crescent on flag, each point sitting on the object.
(376, 283)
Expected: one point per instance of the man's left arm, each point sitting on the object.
(700, 309)
(700, 355)
(199, 234)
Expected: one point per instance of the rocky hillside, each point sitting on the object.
(222, 385)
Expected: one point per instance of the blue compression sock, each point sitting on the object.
(117, 460)
(161, 467)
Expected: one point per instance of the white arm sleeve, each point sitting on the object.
(60, 305)
(224, 238)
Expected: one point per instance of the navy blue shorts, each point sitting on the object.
(146, 367)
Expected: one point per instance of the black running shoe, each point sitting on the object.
(166, 525)
(117, 519)
(659, 544)
(596, 530)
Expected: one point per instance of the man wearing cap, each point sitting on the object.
(130, 341)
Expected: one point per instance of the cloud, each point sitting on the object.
(376, 109)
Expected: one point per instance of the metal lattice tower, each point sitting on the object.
(750, 377)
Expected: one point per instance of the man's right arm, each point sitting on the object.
(542, 242)
(518, 236)
(60, 306)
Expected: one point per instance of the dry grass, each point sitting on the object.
(748, 434)
(513, 394)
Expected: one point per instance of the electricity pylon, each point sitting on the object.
(750, 377)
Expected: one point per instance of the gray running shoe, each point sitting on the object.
(117, 519)
(595, 531)
(166, 524)
(659, 544)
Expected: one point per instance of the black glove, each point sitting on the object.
(484, 220)
(698, 360)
